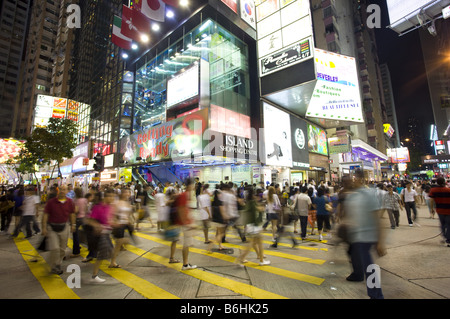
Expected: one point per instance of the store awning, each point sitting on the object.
(364, 150)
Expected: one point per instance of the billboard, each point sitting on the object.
(183, 86)
(398, 155)
(336, 95)
(176, 139)
(399, 9)
(317, 140)
(299, 140)
(277, 137)
(284, 34)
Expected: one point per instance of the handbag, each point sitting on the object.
(253, 229)
(342, 232)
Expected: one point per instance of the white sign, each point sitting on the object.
(399, 9)
(336, 95)
(183, 86)
(248, 12)
(281, 25)
(277, 139)
(446, 12)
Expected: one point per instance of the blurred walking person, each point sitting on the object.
(219, 219)
(204, 205)
(121, 220)
(30, 207)
(58, 212)
(100, 220)
(323, 215)
(273, 209)
(186, 223)
(253, 217)
(362, 216)
(301, 205)
(81, 209)
(440, 196)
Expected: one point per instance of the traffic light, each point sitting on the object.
(99, 163)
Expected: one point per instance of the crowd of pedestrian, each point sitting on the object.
(107, 217)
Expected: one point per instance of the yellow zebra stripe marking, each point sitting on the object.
(53, 285)
(143, 287)
(270, 269)
(238, 287)
(283, 244)
(277, 254)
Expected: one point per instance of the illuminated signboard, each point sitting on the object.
(248, 12)
(277, 137)
(317, 140)
(183, 86)
(398, 155)
(336, 94)
(388, 130)
(177, 139)
(399, 9)
(284, 34)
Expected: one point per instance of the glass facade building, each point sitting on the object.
(227, 58)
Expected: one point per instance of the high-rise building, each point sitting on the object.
(96, 73)
(39, 62)
(13, 26)
(339, 26)
(390, 103)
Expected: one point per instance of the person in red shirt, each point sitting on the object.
(184, 220)
(441, 196)
(57, 213)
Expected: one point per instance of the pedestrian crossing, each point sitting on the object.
(55, 287)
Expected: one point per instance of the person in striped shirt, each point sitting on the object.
(441, 196)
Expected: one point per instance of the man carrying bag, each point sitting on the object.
(57, 213)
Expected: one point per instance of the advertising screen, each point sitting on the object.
(227, 121)
(317, 140)
(398, 155)
(177, 139)
(183, 86)
(277, 137)
(299, 139)
(336, 95)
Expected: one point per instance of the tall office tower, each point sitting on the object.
(13, 25)
(97, 72)
(39, 62)
(340, 27)
(63, 52)
(436, 53)
(390, 103)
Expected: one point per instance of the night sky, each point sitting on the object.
(405, 60)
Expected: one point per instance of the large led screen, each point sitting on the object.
(277, 137)
(317, 140)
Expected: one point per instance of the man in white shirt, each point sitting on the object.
(302, 203)
(409, 196)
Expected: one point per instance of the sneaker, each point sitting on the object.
(97, 279)
(264, 263)
(320, 237)
(188, 266)
(410, 225)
